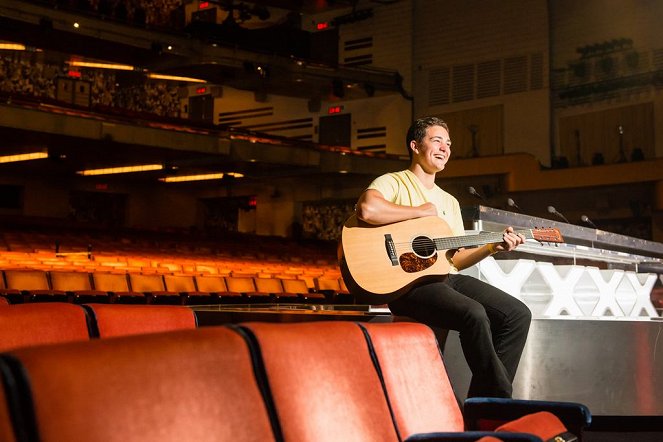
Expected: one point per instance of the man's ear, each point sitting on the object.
(413, 146)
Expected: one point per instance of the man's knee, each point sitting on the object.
(476, 315)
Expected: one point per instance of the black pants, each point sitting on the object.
(492, 324)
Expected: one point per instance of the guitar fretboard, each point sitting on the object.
(455, 242)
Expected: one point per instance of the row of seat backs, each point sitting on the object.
(32, 324)
(325, 381)
(38, 282)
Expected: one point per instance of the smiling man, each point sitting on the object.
(493, 325)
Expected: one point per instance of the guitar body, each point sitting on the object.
(381, 263)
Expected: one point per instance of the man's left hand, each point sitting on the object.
(510, 240)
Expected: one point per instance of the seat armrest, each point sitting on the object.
(472, 436)
(488, 413)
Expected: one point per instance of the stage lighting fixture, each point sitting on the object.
(121, 169)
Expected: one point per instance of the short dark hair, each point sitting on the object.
(418, 129)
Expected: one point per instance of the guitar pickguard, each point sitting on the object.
(411, 263)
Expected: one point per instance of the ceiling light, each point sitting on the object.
(23, 157)
(200, 177)
(92, 64)
(122, 169)
(12, 47)
(175, 78)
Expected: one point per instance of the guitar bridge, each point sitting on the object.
(391, 249)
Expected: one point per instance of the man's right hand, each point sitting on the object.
(427, 209)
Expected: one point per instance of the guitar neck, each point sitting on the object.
(456, 242)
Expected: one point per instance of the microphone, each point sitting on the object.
(585, 219)
(473, 191)
(554, 211)
(512, 203)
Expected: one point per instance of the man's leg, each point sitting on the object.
(509, 318)
(440, 305)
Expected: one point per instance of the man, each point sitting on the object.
(493, 325)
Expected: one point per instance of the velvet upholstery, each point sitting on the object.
(543, 423)
(121, 320)
(6, 428)
(488, 413)
(78, 284)
(187, 385)
(34, 284)
(415, 378)
(323, 382)
(117, 285)
(41, 323)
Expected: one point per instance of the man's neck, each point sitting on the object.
(427, 179)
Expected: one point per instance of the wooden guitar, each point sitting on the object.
(380, 263)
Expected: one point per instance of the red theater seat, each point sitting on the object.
(33, 286)
(78, 285)
(41, 323)
(153, 287)
(307, 365)
(185, 285)
(117, 285)
(415, 379)
(119, 320)
(188, 385)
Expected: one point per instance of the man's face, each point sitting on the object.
(434, 150)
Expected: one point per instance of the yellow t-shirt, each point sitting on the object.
(405, 189)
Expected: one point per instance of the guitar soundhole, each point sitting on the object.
(423, 247)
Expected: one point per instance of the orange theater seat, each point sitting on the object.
(78, 285)
(41, 323)
(110, 320)
(33, 285)
(415, 379)
(188, 385)
(117, 285)
(185, 285)
(6, 428)
(153, 287)
(307, 365)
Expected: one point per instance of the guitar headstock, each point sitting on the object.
(547, 235)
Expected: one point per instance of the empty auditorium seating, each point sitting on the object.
(117, 285)
(78, 285)
(179, 386)
(273, 289)
(245, 287)
(32, 285)
(41, 323)
(110, 320)
(217, 287)
(308, 366)
(323, 381)
(185, 285)
(153, 287)
(299, 288)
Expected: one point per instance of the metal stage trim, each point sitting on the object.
(610, 365)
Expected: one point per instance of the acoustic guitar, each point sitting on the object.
(380, 263)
